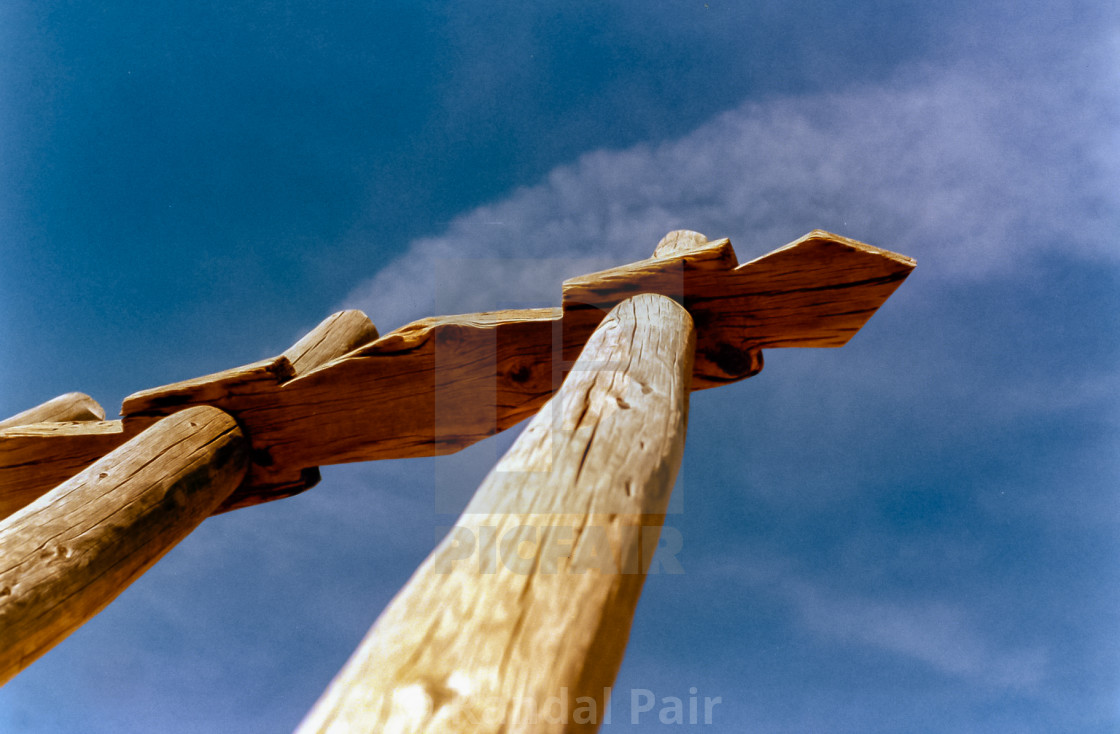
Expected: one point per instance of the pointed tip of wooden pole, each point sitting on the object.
(678, 242)
(339, 333)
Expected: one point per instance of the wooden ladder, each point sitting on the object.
(518, 620)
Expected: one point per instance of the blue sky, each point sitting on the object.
(914, 533)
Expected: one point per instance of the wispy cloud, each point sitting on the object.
(979, 173)
(973, 171)
(939, 634)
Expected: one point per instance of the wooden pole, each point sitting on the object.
(72, 551)
(518, 621)
(73, 406)
(336, 335)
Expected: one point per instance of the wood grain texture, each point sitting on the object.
(338, 334)
(815, 292)
(228, 387)
(677, 261)
(73, 406)
(682, 242)
(36, 457)
(72, 551)
(50, 443)
(440, 384)
(234, 390)
(433, 386)
(538, 608)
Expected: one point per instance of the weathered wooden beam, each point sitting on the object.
(73, 406)
(513, 355)
(338, 334)
(518, 621)
(433, 386)
(815, 292)
(36, 457)
(72, 551)
(267, 480)
(227, 387)
(440, 384)
(52, 441)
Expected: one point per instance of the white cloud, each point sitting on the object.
(936, 633)
(972, 171)
(941, 633)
